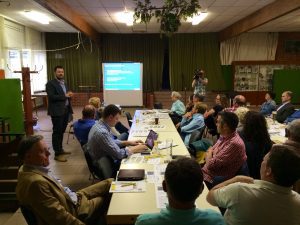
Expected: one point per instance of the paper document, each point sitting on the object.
(164, 145)
(136, 158)
(139, 133)
(161, 197)
(127, 186)
(151, 177)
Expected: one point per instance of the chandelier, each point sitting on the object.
(169, 15)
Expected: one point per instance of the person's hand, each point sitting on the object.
(209, 154)
(188, 115)
(69, 94)
(244, 179)
(177, 125)
(137, 148)
(136, 142)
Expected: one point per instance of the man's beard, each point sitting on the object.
(59, 78)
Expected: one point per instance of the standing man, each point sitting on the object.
(59, 108)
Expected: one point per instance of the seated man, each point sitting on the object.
(293, 135)
(269, 105)
(44, 195)
(102, 143)
(188, 125)
(183, 184)
(238, 101)
(266, 201)
(286, 108)
(82, 126)
(228, 155)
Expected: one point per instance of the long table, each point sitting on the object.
(125, 207)
(276, 131)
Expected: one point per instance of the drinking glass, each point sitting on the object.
(169, 146)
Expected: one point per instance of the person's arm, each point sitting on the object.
(210, 196)
(52, 93)
(224, 158)
(208, 113)
(280, 117)
(194, 83)
(48, 207)
(195, 124)
(110, 146)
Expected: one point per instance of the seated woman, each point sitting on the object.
(178, 108)
(269, 105)
(257, 141)
(211, 115)
(188, 125)
(241, 113)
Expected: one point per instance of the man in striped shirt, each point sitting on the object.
(228, 155)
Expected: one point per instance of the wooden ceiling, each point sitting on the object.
(228, 17)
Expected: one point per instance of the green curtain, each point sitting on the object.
(82, 64)
(191, 51)
(148, 49)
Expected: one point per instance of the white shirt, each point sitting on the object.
(261, 203)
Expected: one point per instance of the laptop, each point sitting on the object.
(131, 174)
(152, 136)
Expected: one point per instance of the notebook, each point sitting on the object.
(131, 174)
(152, 136)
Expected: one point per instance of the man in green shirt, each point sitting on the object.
(183, 184)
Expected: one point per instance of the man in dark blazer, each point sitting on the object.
(286, 108)
(59, 108)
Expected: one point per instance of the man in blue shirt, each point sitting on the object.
(183, 184)
(189, 124)
(83, 126)
(101, 142)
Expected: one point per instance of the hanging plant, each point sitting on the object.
(169, 15)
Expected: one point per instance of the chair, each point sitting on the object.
(243, 170)
(28, 215)
(129, 118)
(102, 169)
(94, 172)
(158, 105)
(71, 131)
(106, 167)
(195, 136)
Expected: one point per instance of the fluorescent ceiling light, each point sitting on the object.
(37, 17)
(125, 17)
(198, 18)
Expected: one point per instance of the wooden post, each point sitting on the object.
(27, 101)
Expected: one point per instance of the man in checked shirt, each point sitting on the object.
(228, 155)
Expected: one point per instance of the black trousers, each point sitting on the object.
(59, 127)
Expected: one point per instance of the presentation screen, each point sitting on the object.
(122, 83)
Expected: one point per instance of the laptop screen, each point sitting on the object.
(152, 136)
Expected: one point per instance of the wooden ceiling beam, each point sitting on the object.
(268, 13)
(66, 13)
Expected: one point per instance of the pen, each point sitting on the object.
(128, 184)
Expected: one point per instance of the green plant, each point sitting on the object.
(169, 15)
